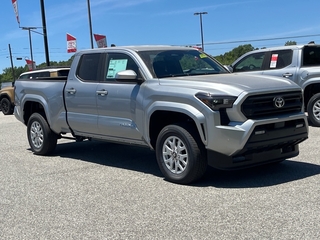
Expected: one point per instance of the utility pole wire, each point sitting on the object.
(259, 40)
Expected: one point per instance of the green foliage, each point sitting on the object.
(57, 64)
(230, 57)
(289, 43)
(7, 75)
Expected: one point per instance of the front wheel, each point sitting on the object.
(6, 106)
(42, 139)
(313, 109)
(180, 154)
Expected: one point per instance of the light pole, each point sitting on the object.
(90, 24)
(12, 68)
(45, 37)
(30, 41)
(201, 13)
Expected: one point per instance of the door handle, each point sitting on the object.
(286, 75)
(71, 91)
(102, 92)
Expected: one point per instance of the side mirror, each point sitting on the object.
(126, 75)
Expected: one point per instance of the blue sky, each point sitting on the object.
(137, 22)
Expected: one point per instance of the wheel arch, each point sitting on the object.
(35, 105)
(4, 95)
(309, 90)
(162, 115)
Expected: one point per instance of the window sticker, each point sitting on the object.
(116, 65)
(274, 60)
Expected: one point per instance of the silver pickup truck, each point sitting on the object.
(298, 63)
(177, 101)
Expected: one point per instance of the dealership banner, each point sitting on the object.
(71, 43)
(31, 65)
(101, 40)
(15, 8)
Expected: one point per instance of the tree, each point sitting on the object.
(230, 57)
(57, 64)
(6, 76)
(289, 43)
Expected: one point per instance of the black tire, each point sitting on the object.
(41, 139)
(6, 106)
(313, 109)
(175, 141)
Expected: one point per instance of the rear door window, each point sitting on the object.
(279, 59)
(89, 67)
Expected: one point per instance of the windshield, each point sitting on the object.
(174, 63)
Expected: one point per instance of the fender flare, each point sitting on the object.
(37, 99)
(197, 116)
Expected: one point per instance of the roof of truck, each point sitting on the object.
(286, 47)
(138, 48)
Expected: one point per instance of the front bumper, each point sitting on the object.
(270, 142)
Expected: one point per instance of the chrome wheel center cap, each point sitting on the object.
(174, 154)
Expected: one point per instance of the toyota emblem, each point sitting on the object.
(278, 102)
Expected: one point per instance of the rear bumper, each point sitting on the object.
(17, 114)
(267, 143)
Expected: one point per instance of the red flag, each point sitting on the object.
(71, 43)
(15, 8)
(101, 40)
(30, 65)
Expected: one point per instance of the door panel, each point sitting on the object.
(80, 94)
(117, 110)
(117, 101)
(82, 106)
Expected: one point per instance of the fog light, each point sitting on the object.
(299, 125)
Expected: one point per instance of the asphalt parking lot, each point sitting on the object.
(97, 190)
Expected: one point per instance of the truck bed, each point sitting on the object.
(47, 91)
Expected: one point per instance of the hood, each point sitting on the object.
(231, 84)
(5, 89)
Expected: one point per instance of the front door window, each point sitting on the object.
(252, 62)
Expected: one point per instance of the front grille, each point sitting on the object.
(258, 106)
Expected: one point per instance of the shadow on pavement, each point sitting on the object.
(144, 160)
(262, 176)
(134, 158)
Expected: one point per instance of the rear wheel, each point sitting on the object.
(314, 110)
(42, 139)
(6, 106)
(180, 154)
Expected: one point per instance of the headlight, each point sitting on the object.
(216, 102)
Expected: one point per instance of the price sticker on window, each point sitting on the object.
(274, 60)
